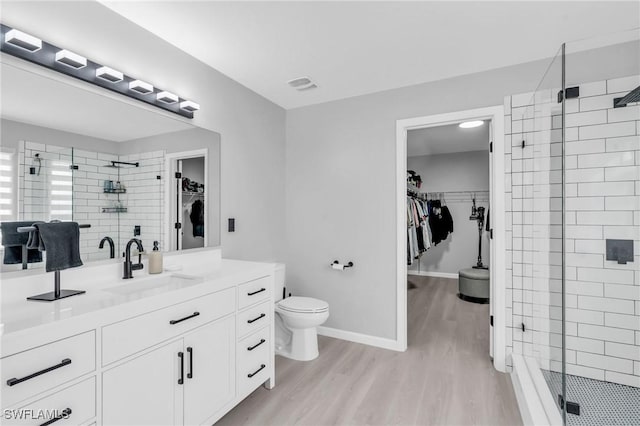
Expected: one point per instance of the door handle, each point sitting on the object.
(14, 381)
(181, 379)
(63, 415)
(256, 318)
(190, 373)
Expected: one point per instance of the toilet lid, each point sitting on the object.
(303, 304)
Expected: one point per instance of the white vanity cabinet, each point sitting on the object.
(184, 382)
(184, 357)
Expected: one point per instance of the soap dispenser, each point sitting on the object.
(155, 260)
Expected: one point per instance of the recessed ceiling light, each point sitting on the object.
(167, 97)
(189, 106)
(140, 87)
(109, 74)
(71, 59)
(471, 124)
(23, 40)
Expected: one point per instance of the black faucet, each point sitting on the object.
(128, 266)
(112, 248)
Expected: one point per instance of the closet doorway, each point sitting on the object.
(187, 200)
(448, 173)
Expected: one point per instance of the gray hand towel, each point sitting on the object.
(61, 240)
(35, 242)
(12, 240)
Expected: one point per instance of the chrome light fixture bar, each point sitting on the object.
(23, 40)
(29, 48)
(71, 59)
(141, 87)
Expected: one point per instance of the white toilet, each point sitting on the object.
(296, 320)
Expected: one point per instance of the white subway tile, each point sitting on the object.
(620, 232)
(604, 362)
(622, 173)
(592, 103)
(584, 232)
(589, 246)
(585, 203)
(582, 316)
(608, 334)
(605, 188)
(599, 275)
(586, 118)
(627, 128)
(626, 143)
(628, 113)
(585, 288)
(622, 203)
(610, 159)
(589, 146)
(630, 322)
(623, 379)
(605, 218)
(522, 99)
(582, 371)
(585, 345)
(623, 84)
(605, 304)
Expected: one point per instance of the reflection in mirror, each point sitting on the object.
(70, 152)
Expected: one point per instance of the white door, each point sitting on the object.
(209, 370)
(492, 247)
(145, 390)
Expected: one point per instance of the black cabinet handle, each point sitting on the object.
(256, 318)
(63, 415)
(14, 381)
(193, 315)
(181, 379)
(250, 375)
(256, 292)
(250, 348)
(190, 373)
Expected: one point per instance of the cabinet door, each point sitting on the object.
(209, 370)
(145, 390)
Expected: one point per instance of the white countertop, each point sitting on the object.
(110, 299)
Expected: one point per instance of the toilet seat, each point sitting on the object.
(304, 305)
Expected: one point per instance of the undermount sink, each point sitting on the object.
(154, 285)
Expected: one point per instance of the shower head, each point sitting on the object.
(631, 97)
(120, 164)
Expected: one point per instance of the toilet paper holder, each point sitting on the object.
(336, 265)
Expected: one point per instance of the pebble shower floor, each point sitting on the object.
(601, 403)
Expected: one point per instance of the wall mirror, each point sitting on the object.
(69, 151)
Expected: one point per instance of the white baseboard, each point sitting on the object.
(434, 274)
(365, 339)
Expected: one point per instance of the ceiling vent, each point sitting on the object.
(302, 84)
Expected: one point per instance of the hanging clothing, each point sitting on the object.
(197, 218)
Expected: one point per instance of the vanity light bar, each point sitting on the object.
(23, 40)
(189, 106)
(29, 48)
(109, 74)
(71, 59)
(141, 87)
(167, 97)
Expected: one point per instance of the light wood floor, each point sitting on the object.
(444, 378)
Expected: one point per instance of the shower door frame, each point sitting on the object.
(495, 114)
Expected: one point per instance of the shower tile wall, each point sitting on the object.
(602, 202)
(143, 199)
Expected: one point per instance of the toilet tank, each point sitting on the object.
(278, 286)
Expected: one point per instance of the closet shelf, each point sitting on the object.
(192, 193)
(115, 191)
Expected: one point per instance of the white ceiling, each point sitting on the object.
(74, 108)
(447, 139)
(354, 48)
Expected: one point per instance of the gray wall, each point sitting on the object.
(340, 183)
(252, 128)
(464, 171)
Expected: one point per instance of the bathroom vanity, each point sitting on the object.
(181, 347)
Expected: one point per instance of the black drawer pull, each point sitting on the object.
(181, 379)
(190, 373)
(250, 348)
(256, 292)
(250, 375)
(256, 318)
(14, 381)
(195, 314)
(63, 415)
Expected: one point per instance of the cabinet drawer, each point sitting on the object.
(135, 334)
(39, 369)
(76, 404)
(254, 318)
(251, 372)
(253, 292)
